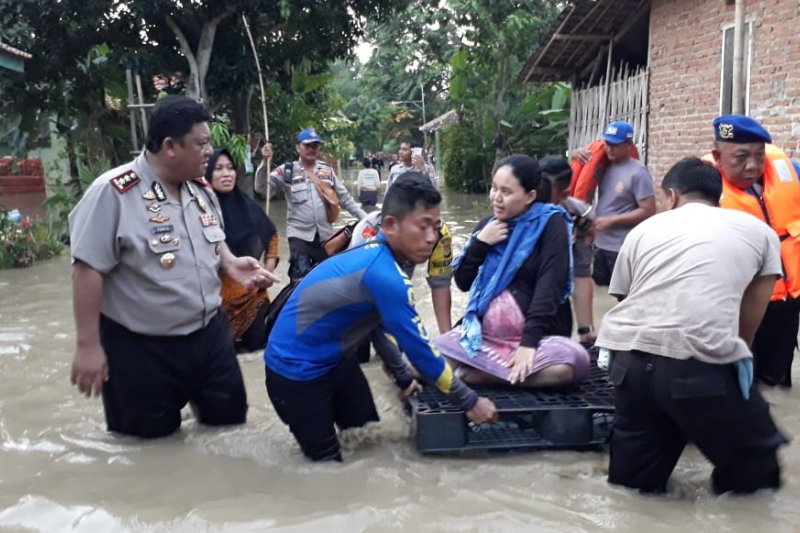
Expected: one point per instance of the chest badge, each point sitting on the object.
(167, 260)
(158, 218)
(149, 196)
(159, 192)
(201, 203)
(154, 208)
(208, 220)
(619, 187)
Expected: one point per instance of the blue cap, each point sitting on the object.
(309, 135)
(618, 132)
(739, 129)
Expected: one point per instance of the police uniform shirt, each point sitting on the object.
(305, 211)
(158, 255)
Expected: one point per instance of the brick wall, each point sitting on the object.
(685, 64)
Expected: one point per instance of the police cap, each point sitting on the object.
(739, 129)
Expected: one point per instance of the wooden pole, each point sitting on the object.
(737, 98)
(131, 112)
(263, 104)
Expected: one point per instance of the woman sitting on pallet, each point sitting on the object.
(517, 268)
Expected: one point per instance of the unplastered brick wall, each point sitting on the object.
(685, 70)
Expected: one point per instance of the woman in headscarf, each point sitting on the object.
(248, 232)
(517, 267)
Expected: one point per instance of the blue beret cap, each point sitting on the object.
(739, 129)
(309, 135)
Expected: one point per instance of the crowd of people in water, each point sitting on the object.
(172, 262)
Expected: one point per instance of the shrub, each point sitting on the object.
(23, 243)
(466, 165)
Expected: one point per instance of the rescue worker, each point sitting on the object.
(312, 377)
(148, 248)
(693, 283)
(758, 178)
(313, 196)
(625, 197)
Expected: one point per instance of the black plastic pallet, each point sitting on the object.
(576, 418)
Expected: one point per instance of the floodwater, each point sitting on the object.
(61, 471)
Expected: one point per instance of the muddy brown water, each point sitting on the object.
(61, 471)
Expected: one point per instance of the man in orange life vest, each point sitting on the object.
(759, 178)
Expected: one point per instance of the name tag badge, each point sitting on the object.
(163, 228)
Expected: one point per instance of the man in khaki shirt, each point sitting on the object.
(147, 248)
(307, 224)
(694, 283)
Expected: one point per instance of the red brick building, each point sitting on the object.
(680, 53)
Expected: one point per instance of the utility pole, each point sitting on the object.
(737, 98)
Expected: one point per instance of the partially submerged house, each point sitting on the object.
(666, 67)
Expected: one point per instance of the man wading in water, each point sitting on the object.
(313, 378)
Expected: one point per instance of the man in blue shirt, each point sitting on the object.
(313, 378)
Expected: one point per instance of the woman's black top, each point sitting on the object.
(538, 287)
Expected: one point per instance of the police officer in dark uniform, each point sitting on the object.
(147, 249)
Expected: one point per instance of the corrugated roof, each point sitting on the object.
(572, 46)
(441, 121)
(14, 52)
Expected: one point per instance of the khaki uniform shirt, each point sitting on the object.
(158, 256)
(305, 212)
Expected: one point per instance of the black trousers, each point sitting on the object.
(255, 337)
(663, 403)
(151, 378)
(603, 266)
(312, 409)
(775, 342)
(304, 255)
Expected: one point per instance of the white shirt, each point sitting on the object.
(683, 273)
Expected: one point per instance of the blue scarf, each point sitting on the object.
(502, 264)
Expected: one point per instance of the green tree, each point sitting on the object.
(75, 77)
(498, 36)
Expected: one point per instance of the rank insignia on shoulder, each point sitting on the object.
(159, 193)
(124, 181)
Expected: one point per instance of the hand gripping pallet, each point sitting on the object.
(579, 417)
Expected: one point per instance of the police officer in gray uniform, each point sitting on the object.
(147, 249)
(306, 219)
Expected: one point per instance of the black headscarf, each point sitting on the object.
(248, 230)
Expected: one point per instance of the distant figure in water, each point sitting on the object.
(517, 268)
(368, 184)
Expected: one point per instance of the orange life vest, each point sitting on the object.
(779, 206)
(585, 178)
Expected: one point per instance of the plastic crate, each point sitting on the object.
(576, 418)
